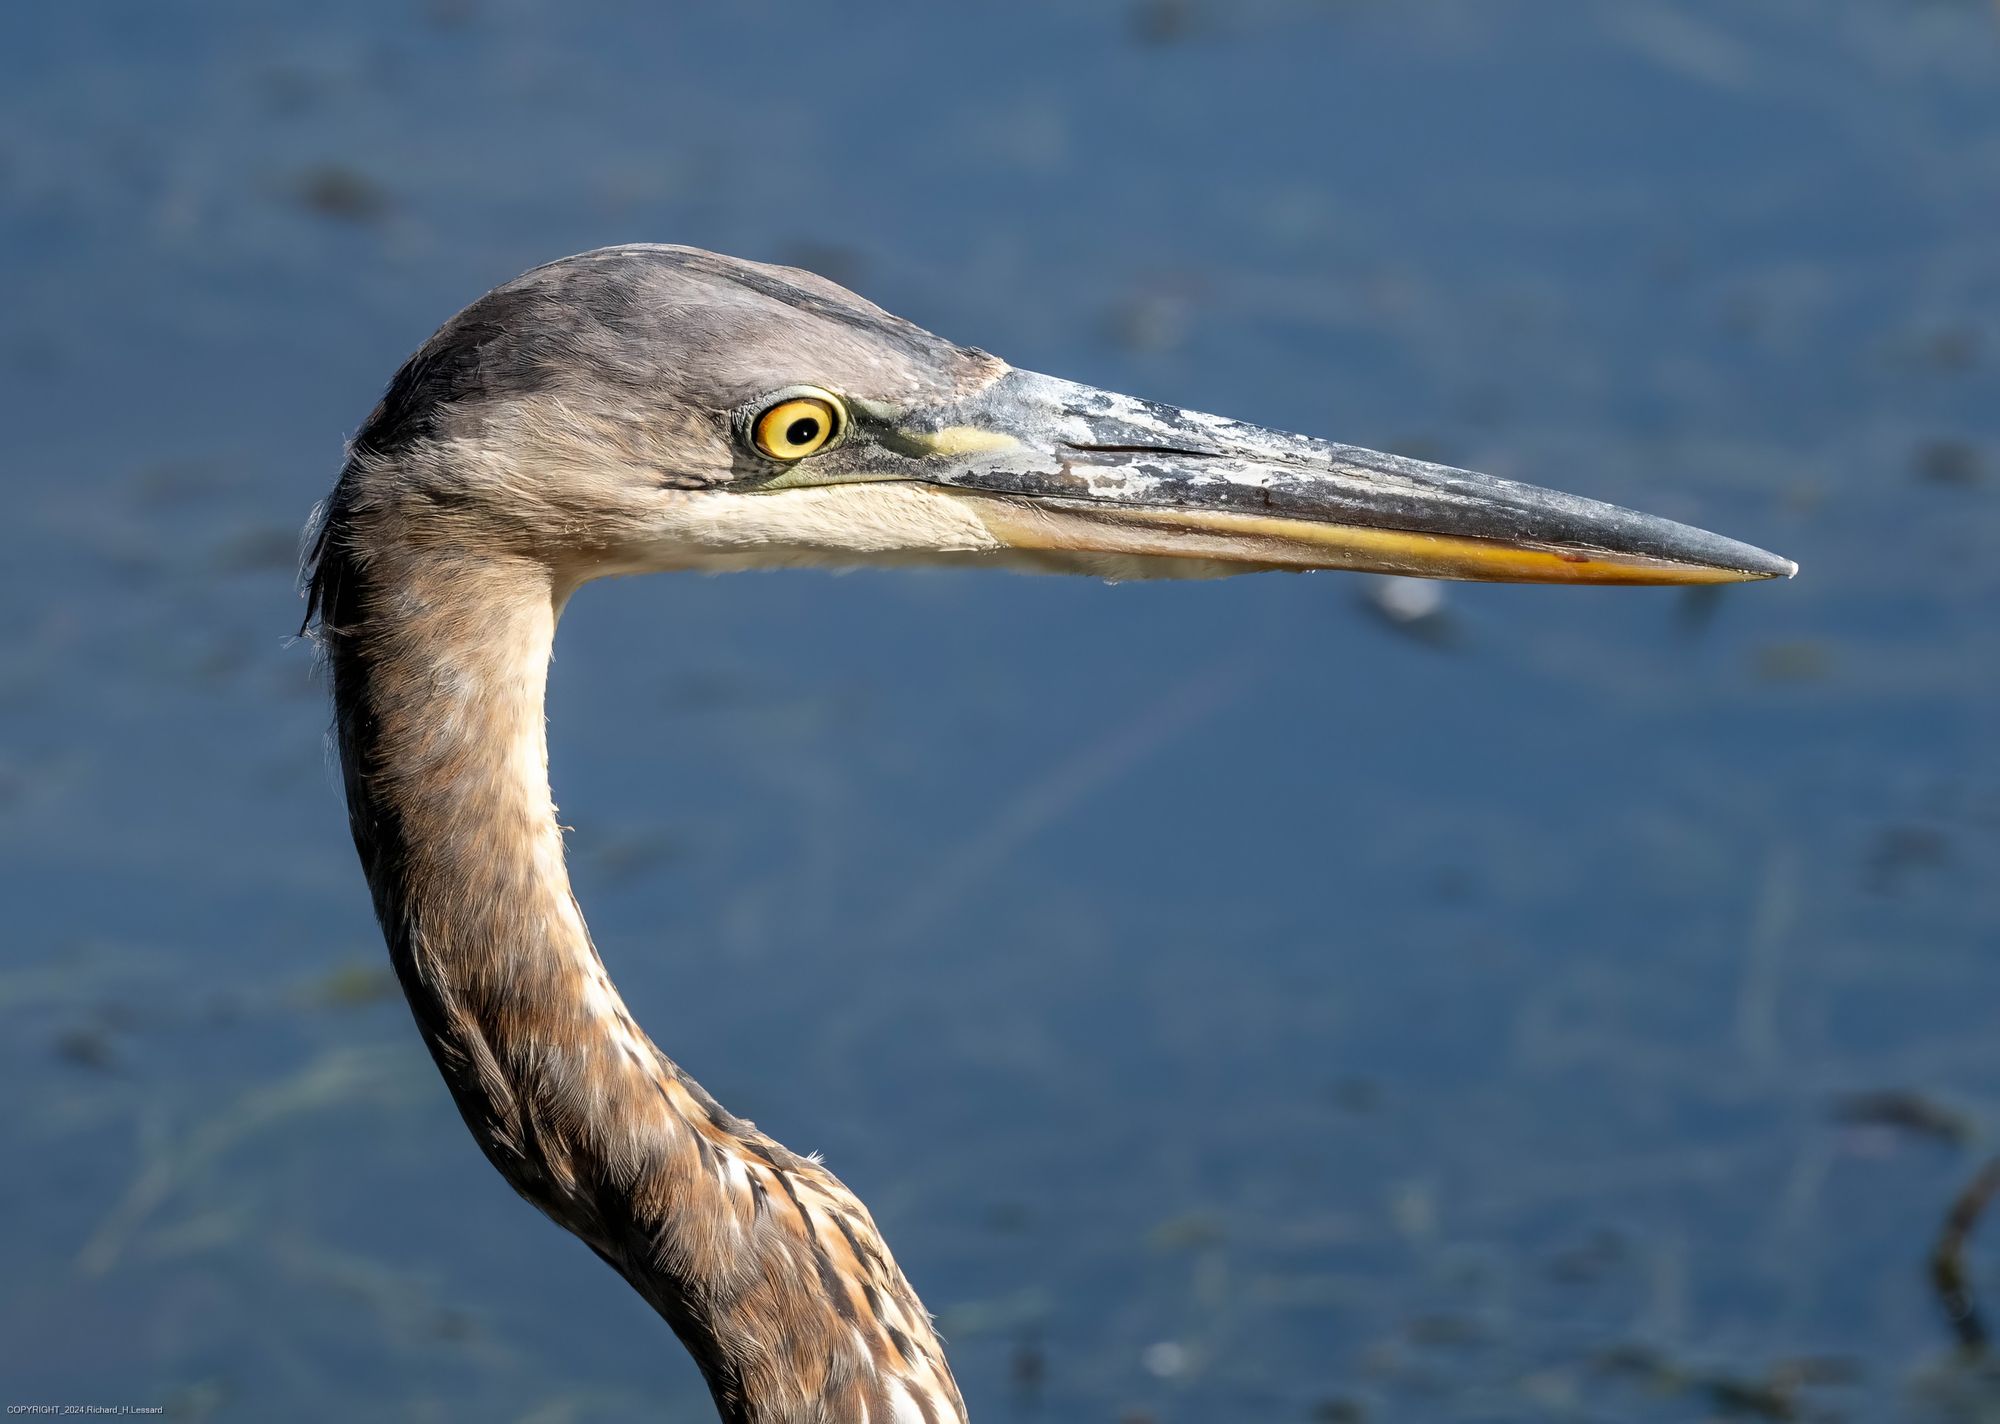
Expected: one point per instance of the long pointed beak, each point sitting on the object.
(1067, 469)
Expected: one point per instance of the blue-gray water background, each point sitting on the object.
(1235, 1003)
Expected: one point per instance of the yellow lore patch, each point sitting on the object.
(961, 440)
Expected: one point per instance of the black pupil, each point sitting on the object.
(803, 431)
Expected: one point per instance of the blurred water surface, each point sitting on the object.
(1236, 1002)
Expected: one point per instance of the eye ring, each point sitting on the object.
(798, 422)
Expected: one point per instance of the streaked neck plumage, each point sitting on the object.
(769, 1270)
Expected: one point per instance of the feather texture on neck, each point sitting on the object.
(770, 1271)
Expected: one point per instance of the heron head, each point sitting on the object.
(645, 407)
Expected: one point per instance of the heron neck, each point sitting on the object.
(769, 1270)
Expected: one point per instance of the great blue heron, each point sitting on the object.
(650, 408)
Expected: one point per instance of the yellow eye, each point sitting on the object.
(792, 429)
